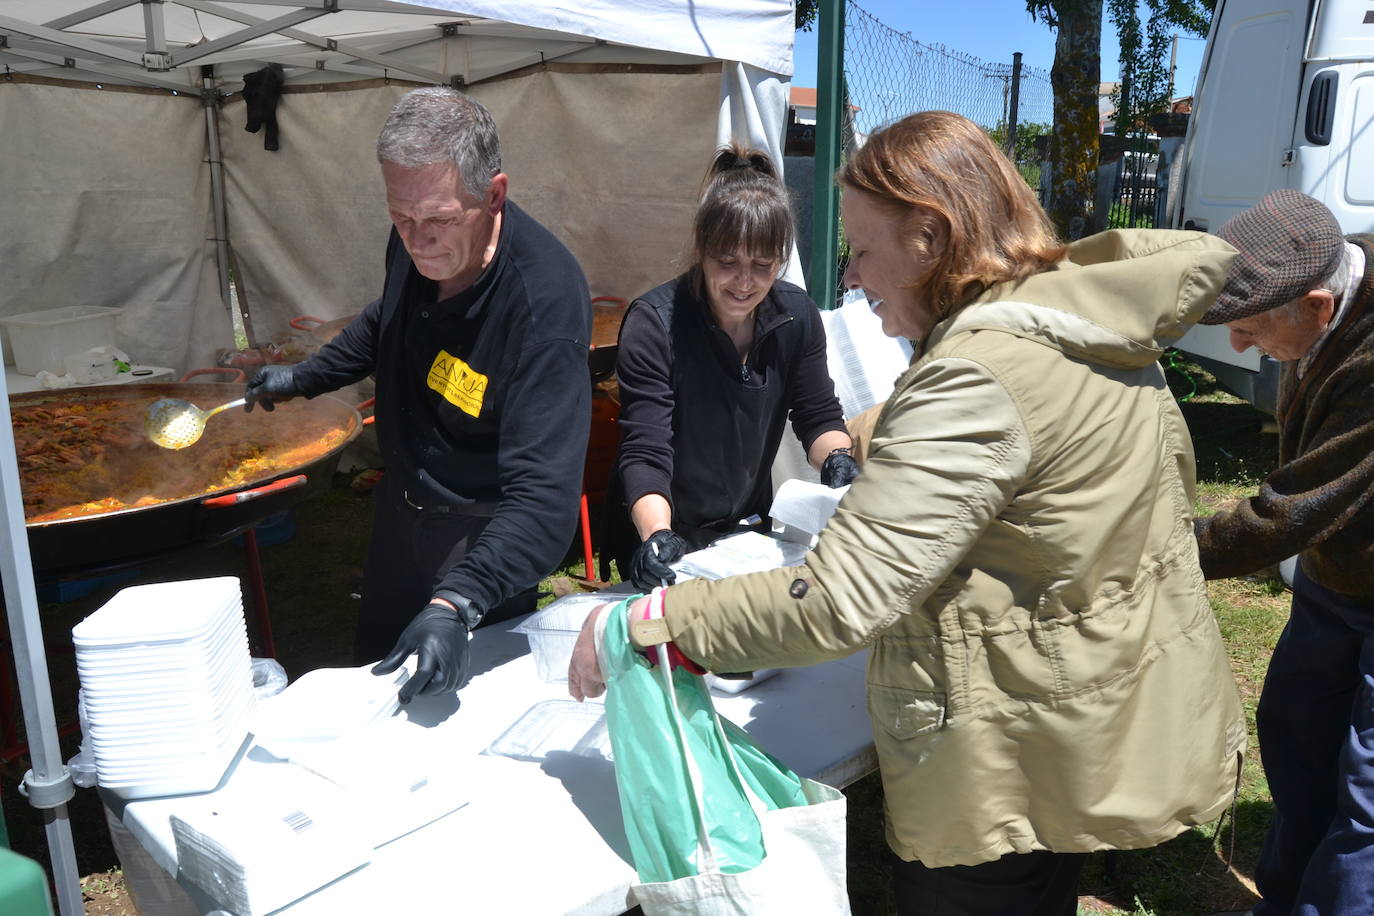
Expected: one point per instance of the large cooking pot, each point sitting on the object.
(607, 314)
(128, 500)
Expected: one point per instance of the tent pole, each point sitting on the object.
(48, 785)
(210, 100)
(830, 100)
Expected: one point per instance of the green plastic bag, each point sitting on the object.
(654, 770)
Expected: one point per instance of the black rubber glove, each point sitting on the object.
(439, 637)
(649, 566)
(269, 385)
(839, 469)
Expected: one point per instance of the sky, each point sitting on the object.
(992, 30)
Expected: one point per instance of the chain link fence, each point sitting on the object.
(889, 74)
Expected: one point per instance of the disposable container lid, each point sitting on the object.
(565, 614)
(556, 725)
(111, 724)
(182, 653)
(198, 650)
(163, 611)
(328, 702)
(228, 682)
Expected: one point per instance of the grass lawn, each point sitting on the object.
(313, 580)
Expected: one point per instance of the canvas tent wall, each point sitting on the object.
(608, 114)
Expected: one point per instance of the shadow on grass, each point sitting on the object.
(1228, 442)
(1187, 876)
(868, 860)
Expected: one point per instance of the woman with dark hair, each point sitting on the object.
(710, 365)
(1046, 678)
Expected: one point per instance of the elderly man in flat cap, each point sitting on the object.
(1304, 294)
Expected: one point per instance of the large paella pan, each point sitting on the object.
(98, 493)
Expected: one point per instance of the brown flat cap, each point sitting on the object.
(1288, 244)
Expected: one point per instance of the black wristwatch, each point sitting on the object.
(468, 612)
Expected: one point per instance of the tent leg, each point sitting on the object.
(210, 100)
(48, 785)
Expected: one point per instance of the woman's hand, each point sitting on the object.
(585, 678)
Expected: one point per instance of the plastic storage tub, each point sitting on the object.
(42, 340)
(552, 631)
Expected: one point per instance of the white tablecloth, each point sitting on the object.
(538, 838)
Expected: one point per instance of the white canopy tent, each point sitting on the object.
(130, 182)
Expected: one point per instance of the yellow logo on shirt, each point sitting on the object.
(458, 383)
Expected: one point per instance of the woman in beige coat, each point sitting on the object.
(1046, 678)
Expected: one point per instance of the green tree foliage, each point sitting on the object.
(1146, 83)
(1076, 76)
(806, 13)
(1024, 155)
(1026, 134)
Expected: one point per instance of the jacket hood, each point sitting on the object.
(1118, 299)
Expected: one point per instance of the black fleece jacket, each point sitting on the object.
(700, 427)
(483, 399)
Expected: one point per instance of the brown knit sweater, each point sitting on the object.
(1319, 502)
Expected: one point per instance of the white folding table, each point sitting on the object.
(535, 838)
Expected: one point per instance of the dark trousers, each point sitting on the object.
(1316, 736)
(410, 551)
(1032, 884)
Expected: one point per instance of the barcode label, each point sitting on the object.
(298, 821)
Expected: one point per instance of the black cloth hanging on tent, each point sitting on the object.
(261, 90)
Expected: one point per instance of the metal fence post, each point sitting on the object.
(829, 101)
(1015, 101)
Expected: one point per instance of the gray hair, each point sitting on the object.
(441, 125)
(1336, 282)
(1339, 278)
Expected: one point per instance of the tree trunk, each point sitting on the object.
(1073, 144)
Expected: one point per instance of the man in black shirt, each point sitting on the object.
(479, 346)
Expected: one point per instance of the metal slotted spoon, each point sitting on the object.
(174, 423)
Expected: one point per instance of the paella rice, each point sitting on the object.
(92, 457)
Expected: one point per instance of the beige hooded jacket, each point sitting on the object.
(1046, 672)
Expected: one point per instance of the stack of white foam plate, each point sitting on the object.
(167, 686)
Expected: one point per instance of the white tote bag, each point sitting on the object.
(803, 871)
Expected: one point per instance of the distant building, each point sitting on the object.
(801, 123)
(1106, 107)
(802, 101)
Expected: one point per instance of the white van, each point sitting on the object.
(1284, 99)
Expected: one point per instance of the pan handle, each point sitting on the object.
(243, 496)
(306, 322)
(370, 402)
(237, 374)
